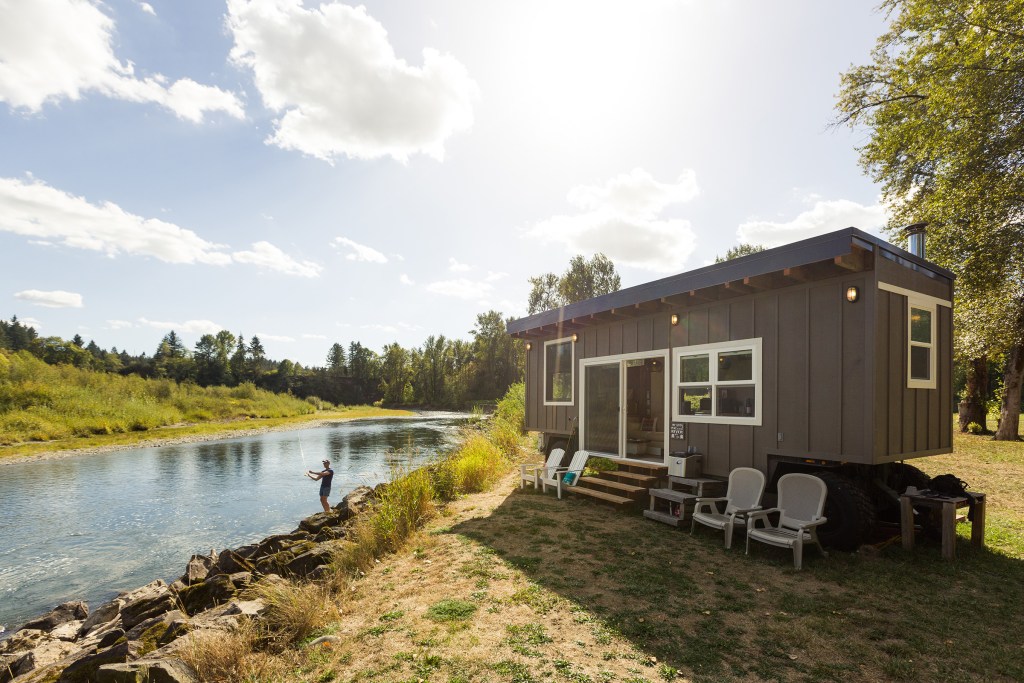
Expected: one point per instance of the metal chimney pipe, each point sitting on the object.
(915, 237)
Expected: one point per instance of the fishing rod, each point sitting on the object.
(303, 456)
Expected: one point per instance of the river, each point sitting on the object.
(89, 526)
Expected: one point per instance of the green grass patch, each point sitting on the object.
(451, 610)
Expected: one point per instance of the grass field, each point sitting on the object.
(517, 586)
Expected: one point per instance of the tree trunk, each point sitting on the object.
(972, 407)
(1009, 412)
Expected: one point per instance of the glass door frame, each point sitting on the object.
(663, 355)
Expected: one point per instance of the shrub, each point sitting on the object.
(597, 465)
(975, 428)
(512, 407)
(477, 465)
(294, 610)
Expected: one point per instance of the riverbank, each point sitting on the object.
(187, 433)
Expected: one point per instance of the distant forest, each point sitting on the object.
(443, 373)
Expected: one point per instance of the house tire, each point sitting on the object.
(850, 513)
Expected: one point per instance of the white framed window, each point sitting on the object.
(921, 329)
(559, 359)
(718, 383)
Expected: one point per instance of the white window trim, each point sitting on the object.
(572, 371)
(753, 345)
(924, 304)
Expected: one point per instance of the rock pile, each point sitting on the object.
(137, 636)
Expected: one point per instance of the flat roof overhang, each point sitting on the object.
(847, 250)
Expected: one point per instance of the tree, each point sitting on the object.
(943, 101)
(394, 375)
(582, 280)
(498, 358)
(238, 361)
(336, 358)
(739, 250)
(172, 359)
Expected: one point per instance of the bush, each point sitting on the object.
(477, 465)
(512, 407)
(975, 428)
(294, 610)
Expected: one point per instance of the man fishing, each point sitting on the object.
(325, 478)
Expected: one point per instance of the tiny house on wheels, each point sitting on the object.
(832, 355)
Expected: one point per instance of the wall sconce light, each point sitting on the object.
(675, 319)
(852, 293)
(529, 346)
(575, 337)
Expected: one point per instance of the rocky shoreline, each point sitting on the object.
(138, 635)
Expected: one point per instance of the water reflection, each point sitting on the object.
(87, 527)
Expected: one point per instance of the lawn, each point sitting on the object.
(518, 586)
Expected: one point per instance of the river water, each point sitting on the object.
(87, 527)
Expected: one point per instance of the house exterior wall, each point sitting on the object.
(833, 373)
(910, 422)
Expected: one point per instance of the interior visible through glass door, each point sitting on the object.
(601, 416)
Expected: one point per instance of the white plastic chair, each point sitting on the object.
(556, 476)
(742, 497)
(801, 500)
(530, 472)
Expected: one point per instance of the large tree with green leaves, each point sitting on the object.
(943, 102)
(583, 279)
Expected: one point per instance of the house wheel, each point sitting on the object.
(850, 513)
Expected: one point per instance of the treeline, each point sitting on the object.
(450, 373)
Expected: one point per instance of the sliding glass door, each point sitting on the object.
(624, 405)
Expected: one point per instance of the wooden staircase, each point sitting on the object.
(624, 487)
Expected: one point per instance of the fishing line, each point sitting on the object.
(303, 455)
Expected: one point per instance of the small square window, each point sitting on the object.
(694, 369)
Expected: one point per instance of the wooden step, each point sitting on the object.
(673, 495)
(601, 495)
(642, 480)
(663, 517)
(650, 468)
(618, 487)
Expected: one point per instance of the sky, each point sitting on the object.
(318, 172)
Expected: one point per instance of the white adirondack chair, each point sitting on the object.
(557, 476)
(801, 500)
(742, 497)
(530, 472)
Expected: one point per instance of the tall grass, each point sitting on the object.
(411, 497)
(41, 402)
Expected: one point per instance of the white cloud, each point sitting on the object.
(359, 252)
(119, 324)
(34, 209)
(494, 277)
(52, 50)
(822, 217)
(456, 267)
(405, 279)
(461, 288)
(314, 336)
(189, 326)
(379, 328)
(54, 299)
(636, 193)
(31, 322)
(266, 255)
(621, 220)
(274, 337)
(333, 76)
(147, 8)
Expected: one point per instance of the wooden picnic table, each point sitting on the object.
(947, 506)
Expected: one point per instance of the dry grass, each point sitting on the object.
(232, 657)
(295, 610)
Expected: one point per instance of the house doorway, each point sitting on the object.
(624, 407)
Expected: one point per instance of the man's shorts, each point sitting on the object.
(325, 490)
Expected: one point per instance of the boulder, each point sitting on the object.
(304, 564)
(102, 615)
(147, 671)
(67, 631)
(69, 611)
(206, 594)
(357, 500)
(276, 543)
(229, 562)
(247, 551)
(22, 640)
(146, 602)
(240, 579)
(329, 533)
(156, 632)
(315, 523)
(110, 637)
(84, 669)
(197, 569)
(49, 651)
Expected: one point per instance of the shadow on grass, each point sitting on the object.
(716, 614)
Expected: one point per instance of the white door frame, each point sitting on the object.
(663, 354)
